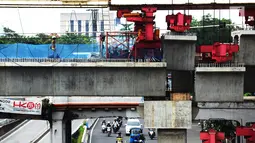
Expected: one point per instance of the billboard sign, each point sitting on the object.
(20, 107)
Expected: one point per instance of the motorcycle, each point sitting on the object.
(115, 128)
(109, 131)
(119, 140)
(151, 134)
(103, 128)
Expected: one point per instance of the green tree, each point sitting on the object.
(211, 34)
(11, 37)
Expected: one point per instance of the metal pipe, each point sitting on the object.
(106, 46)
(131, 15)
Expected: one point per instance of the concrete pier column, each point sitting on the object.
(179, 51)
(218, 83)
(61, 129)
(246, 41)
(172, 136)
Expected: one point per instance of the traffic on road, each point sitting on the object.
(99, 136)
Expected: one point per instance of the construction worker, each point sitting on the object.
(53, 43)
(53, 46)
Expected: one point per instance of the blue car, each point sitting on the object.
(135, 135)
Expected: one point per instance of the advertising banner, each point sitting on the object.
(21, 107)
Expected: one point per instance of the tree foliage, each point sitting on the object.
(210, 35)
(11, 37)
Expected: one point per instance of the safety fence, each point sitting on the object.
(231, 64)
(41, 60)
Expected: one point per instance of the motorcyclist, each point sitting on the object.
(119, 138)
(141, 137)
(115, 122)
(103, 122)
(108, 124)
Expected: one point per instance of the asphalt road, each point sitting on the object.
(32, 129)
(27, 132)
(75, 125)
(99, 137)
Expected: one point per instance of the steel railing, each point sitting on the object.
(220, 65)
(67, 60)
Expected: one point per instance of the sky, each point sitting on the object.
(48, 20)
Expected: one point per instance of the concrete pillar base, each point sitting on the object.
(172, 136)
(167, 114)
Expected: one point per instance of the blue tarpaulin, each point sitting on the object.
(43, 51)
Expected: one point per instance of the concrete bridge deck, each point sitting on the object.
(39, 77)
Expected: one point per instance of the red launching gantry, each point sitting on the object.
(248, 132)
(179, 22)
(218, 52)
(212, 136)
(148, 40)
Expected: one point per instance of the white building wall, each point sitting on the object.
(66, 17)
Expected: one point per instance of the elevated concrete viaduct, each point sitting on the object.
(82, 79)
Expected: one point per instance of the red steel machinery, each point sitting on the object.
(248, 132)
(218, 52)
(179, 22)
(148, 41)
(212, 136)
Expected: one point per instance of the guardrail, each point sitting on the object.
(84, 137)
(67, 60)
(220, 65)
(6, 121)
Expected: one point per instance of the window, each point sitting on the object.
(87, 27)
(117, 21)
(79, 27)
(102, 25)
(72, 25)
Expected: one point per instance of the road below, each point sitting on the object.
(99, 137)
(27, 132)
(75, 125)
(32, 129)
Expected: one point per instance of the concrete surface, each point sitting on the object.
(83, 114)
(48, 81)
(167, 114)
(179, 53)
(75, 125)
(27, 132)
(99, 137)
(227, 105)
(80, 99)
(246, 50)
(220, 69)
(241, 115)
(219, 86)
(85, 64)
(172, 135)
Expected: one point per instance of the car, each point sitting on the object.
(132, 123)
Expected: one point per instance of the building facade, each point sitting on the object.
(90, 23)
